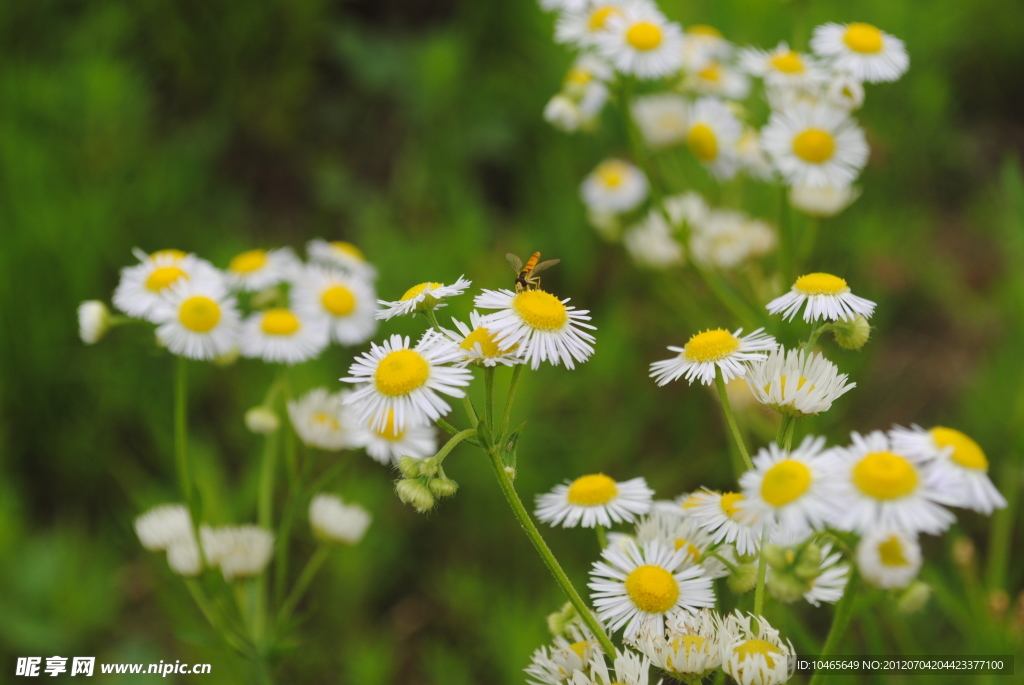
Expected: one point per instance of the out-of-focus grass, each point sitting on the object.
(414, 130)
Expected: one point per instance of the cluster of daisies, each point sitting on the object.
(694, 91)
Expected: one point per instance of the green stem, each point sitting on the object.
(1002, 529)
(602, 536)
(302, 584)
(784, 437)
(516, 373)
(546, 555)
(762, 568)
(809, 237)
(450, 445)
(785, 239)
(840, 621)
(489, 401)
(452, 430)
(432, 318)
(728, 297)
(266, 501)
(181, 429)
(212, 617)
(729, 565)
(730, 418)
(470, 411)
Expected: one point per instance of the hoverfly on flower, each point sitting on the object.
(526, 276)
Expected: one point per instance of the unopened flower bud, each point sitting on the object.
(262, 420)
(428, 467)
(852, 334)
(510, 472)
(560, 620)
(786, 586)
(94, 320)
(228, 358)
(914, 598)
(743, 579)
(776, 556)
(808, 562)
(409, 467)
(414, 493)
(963, 552)
(442, 487)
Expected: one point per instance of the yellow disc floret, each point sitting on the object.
(389, 432)
(966, 452)
(540, 310)
(757, 646)
(710, 346)
(788, 63)
(401, 372)
(703, 142)
(814, 145)
(785, 482)
(885, 476)
(703, 30)
(338, 300)
(592, 491)
(199, 314)
(419, 290)
(692, 551)
(863, 38)
(890, 552)
(644, 36)
(247, 262)
(820, 284)
(164, 277)
(169, 253)
(483, 337)
(348, 249)
(612, 173)
(327, 420)
(652, 589)
(730, 504)
(279, 321)
(712, 72)
(599, 17)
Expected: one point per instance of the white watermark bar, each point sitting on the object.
(975, 664)
(86, 666)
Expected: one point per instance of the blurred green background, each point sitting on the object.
(414, 130)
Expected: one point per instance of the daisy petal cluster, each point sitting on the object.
(713, 351)
(594, 500)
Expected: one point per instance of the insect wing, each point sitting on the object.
(544, 265)
(515, 262)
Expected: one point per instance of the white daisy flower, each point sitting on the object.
(669, 526)
(826, 297)
(726, 239)
(594, 500)
(541, 326)
(477, 344)
(794, 383)
(93, 321)
(564, 114)
(183, 557)
(845, 92)
(712, 133)
(254, 270)
(197, 318)
(687, 649)
(703, 44)
(725, 517)
(581, 26)
(815, 145)
(323, 420)
(614, 186)
(347, 303)
(710, 350)
(718, 79)
(388, 445)
(861, 50)
(162, 526)
(142, 287)
(639, 587)
(639, 41)
(334, 521)
(421, 297)
(830, 584)
(889, 558)
(563, 5)
(651, 243)
(689, 208)
(556, 664)
(284, 336)
(782, 67)
(402, 383)
(753, 652)
(628, 669)
(959, 461)
(239, 551)
(822, 201)
(790, 490)
(661, 118)
(262, 420)
(341, 255)
(751, 157)
(877, 486)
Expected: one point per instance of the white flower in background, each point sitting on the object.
(594, 500)
(284, 336)
(614, 186)
(815, 145)
(399, 384)
(845, 91)
(563, 113)
(661, 118)
(959, 462)
(751, 157)
(93, 321)
(640, 41)
(341, 255)
(142, 287)
(687, 649)
(703, 44)
(239, 551)
(651, 243)
(822, 201)
(323, 420)
(725, 517)
(668, 526)
(712, 133)
(555, 664)
(540, 325)
(829, 585)
(477, 344)
(718, 79)
(183, 557)
(638, 588)
(255, 270)
(753, 652)
(162, 526)
(422, 297)
(627, 669)
(861, 50)
(782, 68)
(563, 5)
(725, 239)
(888, 557)
(262, 420)
(823, 297)
(796, 384)
(876, 487)
(387, 445)
(581, 26)
(334, 521)
(706, 352)
(347, 303)
(197, 318)
(689, 208)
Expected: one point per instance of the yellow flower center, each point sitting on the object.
(710, 346)
(338, 300)
(401, 372)
(327, 419)
(279, 322)
(247, 262)
(757, 646)
(703, 142)
(801, 382)
(612, 173)
(863, 38)
(730, 504)
(703, 30)
(644, 36)
(488, 347)
(890, 552)
(389, 432)
(348, 249)
(712, 72)
(689, 644)
(540, 310)
(167, 254)
(419, 290)
(885, 476)
(592, 490)
(787, 63)
(163, 277)
(785, 482)
(820, 284)
(966, 452)
(581, 648)
(652, 589)
(199, 314)
(578, 76)
(691, 550)
(815, 145)
(599, 17)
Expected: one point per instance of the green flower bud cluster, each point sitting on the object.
(424, 482)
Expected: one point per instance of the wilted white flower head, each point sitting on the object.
(323, 420)
(162, 526)
(797, 384)
(334, 521)
(239, 551)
